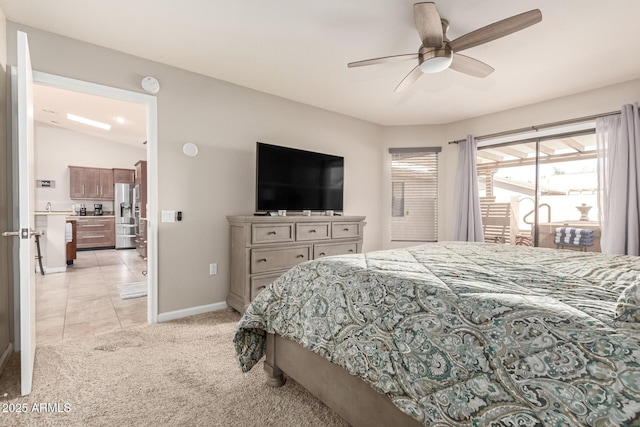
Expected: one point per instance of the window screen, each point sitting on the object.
(414, 194)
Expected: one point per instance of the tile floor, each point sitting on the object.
(85, 300)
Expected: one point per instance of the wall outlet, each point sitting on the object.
(213, 269)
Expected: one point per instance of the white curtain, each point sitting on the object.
(618, 140)
(467, 222)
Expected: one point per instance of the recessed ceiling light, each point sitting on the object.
(89, 122)
(121, 120)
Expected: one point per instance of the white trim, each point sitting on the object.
(152, 212)
(15, 194)
(179, 314)
(152, 165)
(5, 356)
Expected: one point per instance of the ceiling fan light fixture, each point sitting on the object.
(435, 60)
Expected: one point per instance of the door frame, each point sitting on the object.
(151, 103)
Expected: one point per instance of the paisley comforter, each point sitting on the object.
(469, 334)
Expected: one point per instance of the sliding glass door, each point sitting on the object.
(541, 192)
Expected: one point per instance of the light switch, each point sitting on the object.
(168, 216)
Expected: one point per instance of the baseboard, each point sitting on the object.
(53, 270)
(5, 356)
(179, 314)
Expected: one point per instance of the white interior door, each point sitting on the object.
(26, 184)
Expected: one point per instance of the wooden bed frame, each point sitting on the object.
(353, 399)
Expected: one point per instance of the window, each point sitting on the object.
(397, 199)
(414, 194)
(547, 183)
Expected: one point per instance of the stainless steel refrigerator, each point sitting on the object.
(125, 221)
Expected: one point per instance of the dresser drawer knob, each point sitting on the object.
(312, 231)
(350, 251)
(300, 256)
(272, 232)
(262, 260)
(346, 229)
(321, 254)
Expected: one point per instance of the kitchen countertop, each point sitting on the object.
(70, 214)
(66, 213)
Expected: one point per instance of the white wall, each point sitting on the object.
(56, 149)
(225, 121)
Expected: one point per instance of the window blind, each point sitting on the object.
(414, 194)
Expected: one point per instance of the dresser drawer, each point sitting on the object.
(313, 231)
(263, 260)
(271, 233)
(258, 283)
(342, 230)
(323, 250)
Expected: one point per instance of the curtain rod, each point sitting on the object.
(538, 127)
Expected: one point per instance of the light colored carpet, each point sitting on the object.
(133, 290)
(180, 373)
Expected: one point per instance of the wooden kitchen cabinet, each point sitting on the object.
(141, 183)
(141, 207)
(91, 183)
(107, 189)
(72, 246)
(80, 182)
(96, 232)
(124, 176)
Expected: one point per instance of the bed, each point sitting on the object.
(454, 333)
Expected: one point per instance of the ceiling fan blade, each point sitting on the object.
(409, 79)
(496, 30)
(428, 24)
(384, 59)
(470, 66)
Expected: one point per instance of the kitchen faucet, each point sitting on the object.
(48, 207)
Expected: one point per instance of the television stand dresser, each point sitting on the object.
(264, 247)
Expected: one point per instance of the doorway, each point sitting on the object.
(117, 262)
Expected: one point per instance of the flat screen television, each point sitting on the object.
(296, 180)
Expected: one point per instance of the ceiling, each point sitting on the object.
(299, 49)
(128, 120)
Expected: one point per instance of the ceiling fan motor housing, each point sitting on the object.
(435, 59)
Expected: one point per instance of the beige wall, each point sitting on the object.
(57, 148)
(225, 121)
(584, 104)
(6, 323)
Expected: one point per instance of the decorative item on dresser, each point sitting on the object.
(262, 248)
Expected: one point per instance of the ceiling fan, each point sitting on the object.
(437, 53)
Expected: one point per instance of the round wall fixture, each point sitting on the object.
(190, 149)
(150, 85)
